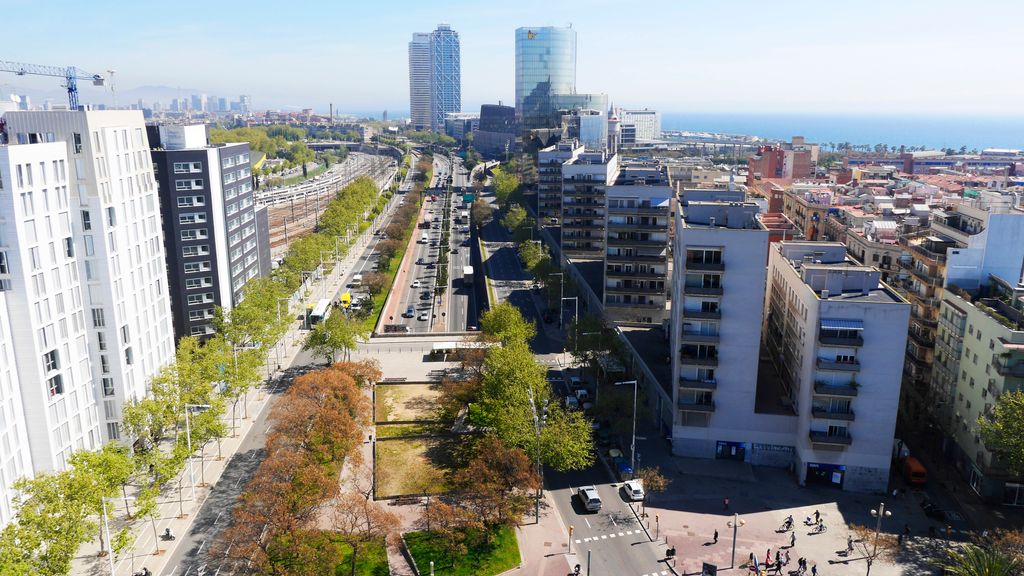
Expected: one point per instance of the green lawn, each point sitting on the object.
(332, 556)
(400, 430)
(480, 560)
(278, 181)
(373, 561)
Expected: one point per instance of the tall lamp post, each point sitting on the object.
(323, 279)
(879, 514)
(735, 524)
(539, 419)
(106, 530)
(632, 444)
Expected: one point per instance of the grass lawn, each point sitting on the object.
(480, 560)
(405, 402)
(409, 467)
(372, 561)
(335, 557)
(399, 430)
(278, 181)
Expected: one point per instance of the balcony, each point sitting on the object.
(691, 360)
(844, 390)
(635, 258)
(832, 365)
(853, 341)
(925, 277)
(1013, 368)
(634, 226)
(698, 384)
(703, 291)
(633, 274)
(652, 243)
(653, 290)
(825, 439)
(702, 314)
(932, 257)
(832, 415)
(688, 338)
(709, 266)
(922, 338)
(923, 320)
(694, 406)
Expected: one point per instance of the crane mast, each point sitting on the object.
(70, 74)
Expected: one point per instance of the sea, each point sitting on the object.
(933, 132)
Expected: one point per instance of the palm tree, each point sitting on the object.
(972, 560)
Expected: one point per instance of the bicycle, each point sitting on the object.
(819, 529)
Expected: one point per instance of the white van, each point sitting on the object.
(424, 238)
(357, 280)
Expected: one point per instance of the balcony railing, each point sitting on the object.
(688, 383)
(652, 243)
(703, 291)
(634, 290)
(692, 360)
(634, 258)
(826, 389)
(844, 366)
(628, 226)
(712, 266)
(634, 274)
(922, 338)
(824, 438)
(841, 340)
(690, 406)
(1006, 367)
(825, 414)
(687, 338)
(702, 314)
(926, 253)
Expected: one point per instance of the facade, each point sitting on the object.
(119, 249)
(980, 355)
(420, 72)
(647, 124)
(15, 460)
(836, 335)
(460, 125)
(209, 224)
(496, 135)
(549, 178)
(584, 181)
(445, 76)
(636, 273)
(545, 66)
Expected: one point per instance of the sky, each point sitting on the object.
(933, 57)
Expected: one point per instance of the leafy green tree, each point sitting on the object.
(505, 323)
(104, 472)
(1003, 431)
(567, 441)
(972, 560)
(337, 333)
(515, 216)
(480, 213)
(505, 185)
(586, 339)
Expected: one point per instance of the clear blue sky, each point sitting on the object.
(744, 56)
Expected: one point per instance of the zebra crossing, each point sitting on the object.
(608, 536)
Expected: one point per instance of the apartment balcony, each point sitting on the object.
(634, 274)
(832, 415)
(588, 251)
(918, 354)
(644, 210)
(1008, 367)
(634, 290)
(691, 406)
(638, 305)
(823, 438)
(630, 258)
(702, 291)
(708, 266)
(689, 384)
(691, 360)
(626, 226)
(583, 202)
(925, 277)
(852, 341)
(844, 390)
(923, 320)
(702, 314)
(933, 258)
(922, 338)
(654, 243)
(953, 327)
(687, 338)
(833, 366)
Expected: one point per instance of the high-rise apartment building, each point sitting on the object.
(584, 182)
(636, 272)
(836, 334)
(48, 400)
(214, 244)
(646, 122)
(119, 248)
(549, 178)
(435, 77)
(545, 67)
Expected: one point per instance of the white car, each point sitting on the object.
(415, 283)
(589, 498)
(634, 490)
(424, 316)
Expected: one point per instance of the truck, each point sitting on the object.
(467, 275)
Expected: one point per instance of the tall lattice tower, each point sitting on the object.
(446, 76)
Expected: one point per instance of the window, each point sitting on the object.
(192, 218)
(200, 314)
(193, 267)
(203, 298)
(201, 250)
(113, 431)
(196, 234)
(104, 364)
(129, 358)
(97, 318)
(196, 184)
(51, 361)
(108, 386)
(204, 282)
(76, 138)
(86, 220)
(125, 334)
(186, 167)
(4, 268)
(111, 217)
(101, 339)
(189, 201)
(69, 247)
(55, 385)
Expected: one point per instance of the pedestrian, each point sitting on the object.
(899, 540)
(814, 570)
(792, 538)
(752, 563)
(768, 557)
(725, 503)
(716, 536)
(786, 563)
(817, 517)
(778, 556)
(778, 566)
(849, 544)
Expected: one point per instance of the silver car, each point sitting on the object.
(589, 498)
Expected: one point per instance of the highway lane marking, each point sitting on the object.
(604, 537)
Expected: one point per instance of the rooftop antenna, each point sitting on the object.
(112, 91)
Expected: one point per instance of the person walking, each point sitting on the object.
(716, 536)
(814, 570)
(778, 566)
(792, 539)
(786, 563)
(753, 561)
(778, 556)
(849, 544)
(725, 503)
(768, 557)
(817, 516)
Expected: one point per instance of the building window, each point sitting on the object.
(113, 431)
(204, 282)
(196, 234)
(86, 220)
(76, 138)
(4, 268)
(193, 267)
(189, 201)
(108, 386)
(111, 217)
(125, 334)
(69, 247)
(55, 385)
(97, 318)
(51, 361)
(201, 250)
(192, 218)
(129, 358)
(104, 364)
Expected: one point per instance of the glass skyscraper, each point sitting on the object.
(435, 77)
(545, 66)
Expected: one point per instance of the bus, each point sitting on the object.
(320, 311)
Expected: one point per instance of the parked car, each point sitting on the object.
(415, 283)
(409, 312)
(571, 403)
(425, 295)
(582, 394)
(589, 498)
(424, 316)
(634, 490)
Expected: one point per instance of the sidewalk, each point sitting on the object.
(208, 465)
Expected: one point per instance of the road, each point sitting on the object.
(462, 306)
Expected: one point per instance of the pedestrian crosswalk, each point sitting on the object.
(608, 536)
(662, 573)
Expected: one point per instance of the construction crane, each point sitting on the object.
(71, 76)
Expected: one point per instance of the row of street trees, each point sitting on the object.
(58, 512)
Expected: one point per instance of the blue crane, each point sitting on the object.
(71, 76)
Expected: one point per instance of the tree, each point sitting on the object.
(451, 525)
(586, 339)
(358, 520)
(480, 213)
(505, 185)
(337, 333)
(103, 472)
(505, 323)
(514, 217)
(1003, 431)
(387, 250)
(653, 481)
(375, 282)
(972, 560)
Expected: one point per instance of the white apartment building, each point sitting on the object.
(119, 243)
(584, 181)
(48, 407)
(647, 123)
(837, 336)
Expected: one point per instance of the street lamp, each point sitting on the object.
(735, 524)
(632, 445)
(323, 279)
(188, 441)
(539, 419)
(880, 513)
